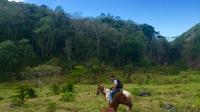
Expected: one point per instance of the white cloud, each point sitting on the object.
(16, 0)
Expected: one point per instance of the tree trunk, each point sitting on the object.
(68, 52)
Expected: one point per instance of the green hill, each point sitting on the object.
(189, 44)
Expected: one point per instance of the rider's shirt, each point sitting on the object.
(118, 84)
(115, 82)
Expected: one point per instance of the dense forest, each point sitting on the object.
(36, 37)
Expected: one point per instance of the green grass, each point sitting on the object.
(165, 89)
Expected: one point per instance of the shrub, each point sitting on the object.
(78, 71)
(31, 93)
(169, 71)
(54, 62)
(68, 88)
(55, 89)
(20, 96)
(180, 65)
(138, 90)
(22, 93)
(145, 62)
(41, 70)
(67, 97)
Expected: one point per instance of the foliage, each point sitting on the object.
(96, 69)
(128, 69)
(41, 70)
(78, 71)
(30, 35)
(137, 90)
(22, 93)
(180, 65)
(188, 46)
(15, 57)
(68, 88)
(55, 89)
(31, 93)
(169, 70)
(145, 62)
(68, 93)
(54, 62)
(67, 96)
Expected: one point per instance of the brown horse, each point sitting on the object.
(123, 97)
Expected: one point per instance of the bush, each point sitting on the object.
(54, 62)
(22, 93)
(68, 88)
(68, 92)
(138, 90)
(41, 70)
(145, 62)
(31, 93)
(67, 97)
(78, 71)
(55, 89)
(180, 65)
(169, 71)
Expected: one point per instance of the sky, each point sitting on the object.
(170, 17)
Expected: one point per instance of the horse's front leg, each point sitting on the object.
(128, 109)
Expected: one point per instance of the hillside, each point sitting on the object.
(189, 46)
(32, 35)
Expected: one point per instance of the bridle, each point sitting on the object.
(102, 90)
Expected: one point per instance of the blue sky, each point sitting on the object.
(170, 17)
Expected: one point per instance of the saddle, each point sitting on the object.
(120, 92)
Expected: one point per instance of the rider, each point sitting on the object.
(116, 88)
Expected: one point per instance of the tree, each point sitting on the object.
(130, 51)
(46, 35)
(26, 55)
(8, 59)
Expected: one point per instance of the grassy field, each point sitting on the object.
(181, 90)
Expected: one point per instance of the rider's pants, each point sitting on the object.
(112, 92)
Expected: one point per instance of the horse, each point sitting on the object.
(123, 98)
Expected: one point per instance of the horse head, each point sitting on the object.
(100, 89)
